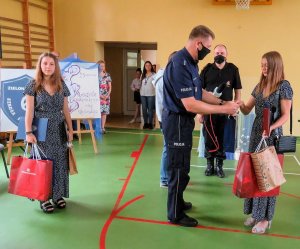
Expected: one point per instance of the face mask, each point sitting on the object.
(219, 59)
(203, 52)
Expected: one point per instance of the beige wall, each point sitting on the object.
(247, 34)
(11, 9)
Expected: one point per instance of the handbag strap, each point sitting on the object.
(259, 146)
(277, 97)
(291, 119)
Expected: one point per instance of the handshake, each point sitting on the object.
(232, 107)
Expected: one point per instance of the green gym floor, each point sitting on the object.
(116, 203)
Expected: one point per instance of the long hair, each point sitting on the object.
(145, 71)
(275, 73)
(55, 79)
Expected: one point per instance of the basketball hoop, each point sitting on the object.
(242, 4)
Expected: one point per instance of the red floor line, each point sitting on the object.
(130, 173)
(127, 204)
(230, 230)
(116, 210)
(290, 195)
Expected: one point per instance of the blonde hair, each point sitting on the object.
(55, 79)
(275, 73)
(100, 61)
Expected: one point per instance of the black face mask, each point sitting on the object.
(219, 59)
(203, 52)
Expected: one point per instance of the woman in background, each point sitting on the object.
(105, 91)
(47, 97)
(135, 87)
(271, 82)
(148, 95)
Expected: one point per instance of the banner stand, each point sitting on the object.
(11, 134)
(91, 131)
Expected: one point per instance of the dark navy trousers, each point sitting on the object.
(178, 134)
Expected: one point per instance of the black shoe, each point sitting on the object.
(187, 206)
(186, 221)
(47, 207)
(60, 203)
(150, 126)
(219, 168)
(210, 167)
(146, 126)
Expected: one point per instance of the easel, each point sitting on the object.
(91, 131)
(11, 143)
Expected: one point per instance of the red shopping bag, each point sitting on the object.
(245, 184)
(31, 178)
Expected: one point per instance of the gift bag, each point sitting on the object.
(72, 160)
(245, 184)
(31, 178)
(267, 167)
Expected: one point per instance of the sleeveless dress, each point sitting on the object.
(264, 207)
(55, 146)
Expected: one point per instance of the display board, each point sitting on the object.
(80, 77)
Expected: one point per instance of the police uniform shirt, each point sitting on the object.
(181, 80)
(213, 77)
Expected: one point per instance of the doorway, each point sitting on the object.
(122, 60)
(134, 58)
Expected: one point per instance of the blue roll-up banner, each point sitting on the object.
(80, 77)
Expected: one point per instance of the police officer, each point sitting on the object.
(213, 76)
(183, 97)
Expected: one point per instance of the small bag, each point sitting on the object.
(267, 167)
(245, 183)
(31, 178)
(72, 160)
(284, 144)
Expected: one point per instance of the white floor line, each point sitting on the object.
(135, 133)
(297, 160)
(141, 133)
(204, 166)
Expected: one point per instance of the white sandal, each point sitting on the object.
(257, 229)
(249, 222)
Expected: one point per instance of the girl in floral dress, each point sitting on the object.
(272, 80)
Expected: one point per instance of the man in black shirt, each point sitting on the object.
(213, 76)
